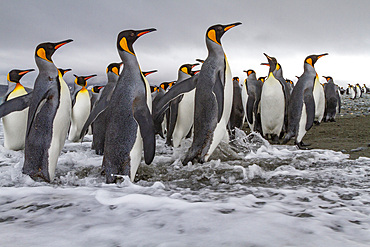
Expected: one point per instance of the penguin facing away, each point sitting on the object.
(98, 117)
(272, 102)
(15, 123)
(81, 105)
(48, 117)
(301, 109)
(130, 130)
(237, 110)
(254, 88)
(213, 97)
(332, 99)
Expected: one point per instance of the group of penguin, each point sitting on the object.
(355, 91)
(128, 113)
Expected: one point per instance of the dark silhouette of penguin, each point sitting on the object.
(332, 99)
(237, 110)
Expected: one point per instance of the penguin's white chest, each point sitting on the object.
(15, 124)
(319, 98)
(80, 113)
(244, 99)
(272, 106)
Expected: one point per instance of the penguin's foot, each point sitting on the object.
(301, 146)
(316, 122)
(275, 139)
(305, 144)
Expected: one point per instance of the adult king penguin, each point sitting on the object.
(301, 109)
(81, 106)
(213, 97)
(237, 115)
(254, 88)
(332, 99)
(130, 129)
(48, 117)
(272, 102)
(319, 98)
(15, 123)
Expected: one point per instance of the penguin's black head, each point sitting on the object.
(63, 71)
(96, 89)
(114, 67)
(249, 72)
(15, 75)
(46, 50)
(146, 73)
(82, 80)
(215, 32)
(262, 78)
(312, 59)
(289, 81)
(186, 68)
(153, 89)
(328, 78)
(127, 38)
(236, 78)
(273, 64)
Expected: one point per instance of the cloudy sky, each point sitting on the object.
(288, 30)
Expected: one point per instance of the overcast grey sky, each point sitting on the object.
(286, 29)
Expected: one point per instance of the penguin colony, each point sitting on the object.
(127, 113)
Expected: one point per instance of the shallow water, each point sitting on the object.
(252, 194)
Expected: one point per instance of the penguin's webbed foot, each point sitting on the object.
(275, 139)
(302, 146)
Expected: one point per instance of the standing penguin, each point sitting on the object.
(273, 102)
(81, 106)
(213, 97)
(319, 98)
(332, 99)
(358, 91)
(301, 110)
(15, 123)
(290, 85)
(130, 129)
(237, 110)
(351, 91)
(254, 88)
(98, 118)
(48, 117)
(181, 110)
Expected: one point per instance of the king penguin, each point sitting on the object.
(130, 129)
(237, 115)
(273, 102)
(213, 97)
(254, 88)
(15, 123)
(81, 106)
(48, 117)
(319, 98)
(332, 99)
(301, 110)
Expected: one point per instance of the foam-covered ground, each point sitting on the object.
(253, 194)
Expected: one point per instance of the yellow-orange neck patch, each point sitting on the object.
(185, 70)
(309, 61)
(42, 54)
(124, 46)
(115, 70)
(212, 36)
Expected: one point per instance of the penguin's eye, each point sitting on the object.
(219, 28)
(132, 34)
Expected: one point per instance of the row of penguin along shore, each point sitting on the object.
(126, 117)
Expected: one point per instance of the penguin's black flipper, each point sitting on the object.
(218, 90)
(16, 104)
(98, 108)
(310, 108)
(175, 91)
(145, 121)
(250, 108)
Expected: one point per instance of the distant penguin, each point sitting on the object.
(319, 98)
(358, 91)
(237, 110)
(181, 110)
(130, 129)
(290, 85)
(95, 94)
(48, 116)
(254, 89)
(342, 90)
(351, 91)
(272, 102)
(98, 117)
(64, 71)
(301, 110)
(366, 89)
(15, 123)
(159, 124)
(81, 107)
(213, 98)
(332, 99)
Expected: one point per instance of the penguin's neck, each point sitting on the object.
(46, 66)
(182, 76)
(252, 77)
(112, 77)
(214, 49)
(129, 60)
(309, 69)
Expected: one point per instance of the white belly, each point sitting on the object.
(319, 98)
(272, 106)
(60, 127)
(15, 124)
(185, 118)
(80, 113)
(302, 125)
(244, 100)
(135, 155)
(221, 131)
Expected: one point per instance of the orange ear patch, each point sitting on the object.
(42, 54)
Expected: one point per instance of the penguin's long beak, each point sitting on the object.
(88, 77)
(268, 57)
(267, 64)
(149, 72)
(229, 26)
(193, 65)
(25, 71)
(325, 54)
(61, 43)
(145, 31)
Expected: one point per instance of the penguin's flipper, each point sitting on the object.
(175, 91)
(15, 104)
(98, 108)
(250, 108)
(218, 90)
(144, 119)
(310, 108)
